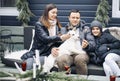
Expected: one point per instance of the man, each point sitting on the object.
(81, 60)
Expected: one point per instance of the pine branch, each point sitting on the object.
(102, 13)
(24, 11)
(4, 74)
(54, 76)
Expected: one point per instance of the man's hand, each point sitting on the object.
(54, 52)
(85, 43)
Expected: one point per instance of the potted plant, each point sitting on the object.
(24, 16)
(102, 13)
(24, 11)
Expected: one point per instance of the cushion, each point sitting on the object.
(10, 57)
(16, 55)
(115, 31)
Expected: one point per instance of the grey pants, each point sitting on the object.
(30, 61)
(80, 61)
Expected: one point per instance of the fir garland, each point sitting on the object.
(102, 12)
(24, 11)
(3, 74)
(54, 76)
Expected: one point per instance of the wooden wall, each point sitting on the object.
(87, 8)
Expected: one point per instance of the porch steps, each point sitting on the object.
(92, 69)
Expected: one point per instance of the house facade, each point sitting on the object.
(87, 8)
(8, 19)
(20, 37)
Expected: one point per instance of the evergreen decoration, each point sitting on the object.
(3, 74)
(54, 76)
(102, 13)
(24, 11)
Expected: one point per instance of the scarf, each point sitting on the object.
(52, 29)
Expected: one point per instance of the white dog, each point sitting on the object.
(70, 46)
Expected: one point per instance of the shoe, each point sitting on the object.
(68, 71)
(55, 69)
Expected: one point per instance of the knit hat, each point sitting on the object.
(96, 23)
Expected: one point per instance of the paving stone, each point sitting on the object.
(7, 69)
(100, 78)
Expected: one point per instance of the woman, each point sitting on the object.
(107, 50)
(47, 34)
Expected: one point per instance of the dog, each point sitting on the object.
(70, 46)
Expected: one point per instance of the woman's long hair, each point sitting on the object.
(44, 18)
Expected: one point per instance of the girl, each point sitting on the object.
(106, 50)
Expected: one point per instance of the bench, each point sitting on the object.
(92, 69)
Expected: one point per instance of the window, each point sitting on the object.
(116, 8)
(8, 3)
(7, 8)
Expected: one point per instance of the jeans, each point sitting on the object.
(110, 65)
(30, 61)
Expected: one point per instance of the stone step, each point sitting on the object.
(5, 68)
(92, 69)
(95, 70)
(7, 79)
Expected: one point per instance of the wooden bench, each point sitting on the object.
(92, 69)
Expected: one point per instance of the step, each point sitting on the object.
(95, 70)
(5, 68)
(92, 69)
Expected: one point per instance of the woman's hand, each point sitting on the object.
(65, 37)
(85, 43)
(54, 52)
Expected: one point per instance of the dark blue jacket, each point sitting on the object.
(105, 44)
(42, 41)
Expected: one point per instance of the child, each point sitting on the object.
(106, 50)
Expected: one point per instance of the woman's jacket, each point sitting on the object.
(42, 41)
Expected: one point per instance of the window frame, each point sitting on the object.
(116, 8)
(8, 11)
